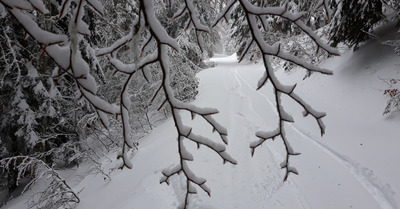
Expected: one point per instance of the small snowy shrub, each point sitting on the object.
(393, 103)
(56, 194)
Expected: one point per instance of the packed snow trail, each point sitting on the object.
(233, 187)
(328, 179)
(374, 189)
(372, 185)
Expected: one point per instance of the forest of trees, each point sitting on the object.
(81, 78)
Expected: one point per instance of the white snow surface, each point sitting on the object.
(354, 165)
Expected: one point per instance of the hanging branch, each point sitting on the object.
(193, 22)
(67, 56)
(253, 16)
(163, 43)
(158, 38)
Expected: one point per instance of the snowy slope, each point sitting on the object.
(355, 165)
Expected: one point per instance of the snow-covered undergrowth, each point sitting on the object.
(354, 165)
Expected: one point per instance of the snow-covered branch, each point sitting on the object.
(63, 49)
(8, 50)
(163, 42)
(255, 16)
(115, 46)
(225, 13)
(151, 47)
(325, 5)
(193, 22)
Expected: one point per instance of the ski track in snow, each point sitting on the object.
(303, 201)
(275, 182)
(267, 177)
(266, 186)
(372, 184)
(255, 182)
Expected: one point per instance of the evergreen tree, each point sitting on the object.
(35, 117)
(394, 15)
(40, 112)
(354, 21)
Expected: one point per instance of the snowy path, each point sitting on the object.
(373, 186)
(363, 175)
(251, 112)
(347, 168)
(253, 181)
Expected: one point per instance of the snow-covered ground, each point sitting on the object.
(354, 165)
